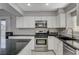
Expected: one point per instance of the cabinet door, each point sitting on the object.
(56, 45)
(62, 20)
(51, 43)
(60, 48)
(29, 22)
(38, 18)
(25, 22)
(57, 22)
(51, 21)
(19, 22)
(69, 21)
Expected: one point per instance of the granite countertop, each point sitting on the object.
(21, 37)
(16, 51)
(30, 46)
(27, 49)
(74, 47)
(65, 39)
(25, 35)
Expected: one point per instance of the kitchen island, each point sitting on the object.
(28, 47)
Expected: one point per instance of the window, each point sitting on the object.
(75, 26)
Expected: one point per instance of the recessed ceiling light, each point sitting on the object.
(47, 4)
(28, 4)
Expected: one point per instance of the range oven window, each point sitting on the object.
(41, 41)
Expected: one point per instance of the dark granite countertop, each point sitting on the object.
(24, 35)
(16, 51)
(64, 41)
(65, 38)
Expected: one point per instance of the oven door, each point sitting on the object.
(41, 44)
(41, 41)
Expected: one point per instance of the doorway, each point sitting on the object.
(3, 37)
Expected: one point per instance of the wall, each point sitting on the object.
(7, 19)
(70, 12)
(78, 14)
(6, 16)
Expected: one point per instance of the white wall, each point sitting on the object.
(69, 20)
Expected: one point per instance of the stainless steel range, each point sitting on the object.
(41, 37)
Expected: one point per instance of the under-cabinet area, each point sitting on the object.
(39, 29)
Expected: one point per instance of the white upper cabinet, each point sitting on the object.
(19, 22)
(29, 21)
(61, 21)
(51, 21)
(25, 22)
(69, 21)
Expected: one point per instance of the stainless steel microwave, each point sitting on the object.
(41, 24)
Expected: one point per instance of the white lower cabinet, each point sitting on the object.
(60, 48)
(55, 44)
(51, 43)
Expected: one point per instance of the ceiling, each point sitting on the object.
(40, 6)
(4, 13)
